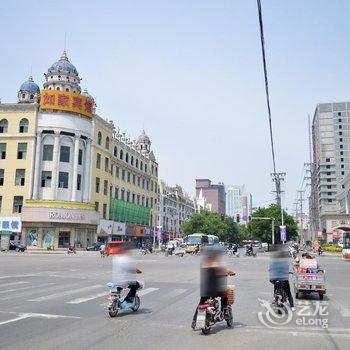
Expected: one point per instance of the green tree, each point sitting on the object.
(261, 229)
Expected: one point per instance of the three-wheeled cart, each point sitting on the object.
(308, 278)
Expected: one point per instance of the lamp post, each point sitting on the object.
(160, 217)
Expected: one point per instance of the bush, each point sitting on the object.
(332, 249)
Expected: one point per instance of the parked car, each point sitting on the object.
(94, 247)
(17, 246)
(264, 246)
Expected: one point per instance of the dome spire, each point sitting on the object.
(64, 56)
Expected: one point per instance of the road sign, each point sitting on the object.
(283, 233)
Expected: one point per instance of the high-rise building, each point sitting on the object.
(214, 194)
(238, 202)
(331, 162)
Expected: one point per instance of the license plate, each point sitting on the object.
(200, 323)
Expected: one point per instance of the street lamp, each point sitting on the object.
(160, 217)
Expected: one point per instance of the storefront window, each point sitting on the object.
(48, 237)
(32, 237)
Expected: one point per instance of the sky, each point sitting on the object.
(190, 73)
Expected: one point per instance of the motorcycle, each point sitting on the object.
(143, 251)
(210, 313)
(231, 252)
(279, 297)
(250, 252)
(116, 299)
(71, 250)
(169, 251)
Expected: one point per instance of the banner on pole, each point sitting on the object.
(283, 233)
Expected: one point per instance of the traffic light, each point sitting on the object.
(249, 218)
(238, 218)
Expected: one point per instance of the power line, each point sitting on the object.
(266, 84)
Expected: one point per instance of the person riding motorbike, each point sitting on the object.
(249, 249)
(213, 279)
(279, 271)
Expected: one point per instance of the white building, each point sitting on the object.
(238, 202)
(174, 208)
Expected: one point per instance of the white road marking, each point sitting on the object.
(339, 305)
(16, 276)
(14, 319)
(13, 283)
(88, 298)
(23, 288)
(175, 293)
(147, 291)
(67, 292)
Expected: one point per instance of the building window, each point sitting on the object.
(2, 175)
(22, 151)
(143, 201)
(105, 187)
(80, 157)
(79, 182)
(342, 186)
(141, 166)
(328, 180)
(64, 154)
(152, 169)
(329, 193)
(132, 160)
(138, 181)
(123, 174)
(329, 187)
(116, 193)
(339, 120)
(98, 161)
(2, 150)
(46, 177)
(145, 168)
(107, 142)
(339, 114)
(115, 152)
(340, 127)
(341, 146)
(99, 138)
(340, 133)
(147, 185)
(137, 163)
(128, 176)
(328, 160)
(104, 214)
(121, 154)
(23, 125)
(342, 159)
(341, 139)
(156, 171)
(143, 183)
(342, 166)
(138, 199)
(341, 153)
(133, 198)
(47, 152)
(328, 173)
(20, 177)
(147, 202)
(134, 179)
(63, 179)
(329, 200)
(17, 204)
(128, 196)
(3, 126)
(122, 192)
(96, 206)
(106, 164)
(343, 172)
(97, 185)
(117, 171)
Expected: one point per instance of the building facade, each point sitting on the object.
(238, 203)
(175, 207)
(215, 195)
(331, 162)
(58, 167)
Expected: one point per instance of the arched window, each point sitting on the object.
(31, 96)
(137, 163)
(121, 154)
(132, 160)
(107, 142)
(115, 151)
(23, 125)
(127, 157)
(99, 138)
(141, 165)
(3, 126)
(145, 168)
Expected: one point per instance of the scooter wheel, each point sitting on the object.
(137, 304)
(229, 318)
(113, 311)
(206, 330)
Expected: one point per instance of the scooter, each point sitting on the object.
(231, 252)
(116, 300)
(279, 298)
(250, 253)
(71, 250)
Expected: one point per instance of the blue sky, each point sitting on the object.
(190, 73)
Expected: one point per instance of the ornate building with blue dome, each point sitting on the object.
(68, 173)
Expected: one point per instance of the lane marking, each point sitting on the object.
(16, 276)
(13, 283)
(14, 319)
(88, 298)
(22, 288)
(175, 293)
(147, 291)
(68, 292)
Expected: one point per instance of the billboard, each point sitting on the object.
(10, 223)
(66, 101)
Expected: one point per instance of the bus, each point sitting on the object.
(346, 246)
(213, 239)
(195, 239)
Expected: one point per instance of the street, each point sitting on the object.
(57, 301)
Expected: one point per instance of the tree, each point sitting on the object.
(262, 229)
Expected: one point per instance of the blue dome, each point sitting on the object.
(63, 65)
(30, 86)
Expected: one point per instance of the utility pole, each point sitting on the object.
(277, 178)
(301, 199)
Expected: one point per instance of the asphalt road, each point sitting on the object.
(58, 302)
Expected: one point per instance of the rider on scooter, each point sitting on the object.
(213, 278)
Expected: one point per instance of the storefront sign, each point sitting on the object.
(66, 101)
(105, 228)
(130, 230)
(140, 231)
(60, 215)
(10, 223)
(119, 228)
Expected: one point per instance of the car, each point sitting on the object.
(17, 246)
(94, 247)
(264, 246)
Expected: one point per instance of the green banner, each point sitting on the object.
(127, 212)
